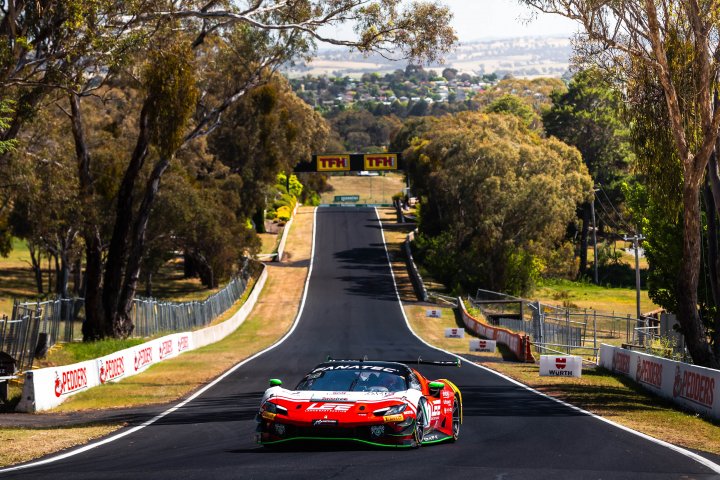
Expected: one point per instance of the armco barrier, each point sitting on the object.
(46, 388)
(695, 388)
(518, 343)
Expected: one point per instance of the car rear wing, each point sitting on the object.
(416, 361)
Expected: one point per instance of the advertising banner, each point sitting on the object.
(695, 388)
(482, 345)
(381, 161)
(333, 163)
(560, 366)
(454, 333)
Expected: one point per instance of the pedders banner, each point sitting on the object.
(46, 388)
(695, 388)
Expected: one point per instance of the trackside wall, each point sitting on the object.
(517, 342)
(46, 388)
(692, 387)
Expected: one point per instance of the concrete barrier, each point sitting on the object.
(518, 343)
(692, 387)
(46, 388)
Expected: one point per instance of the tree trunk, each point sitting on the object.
(37, 269)
(584, 233)
(122, 324)
(118, 250)
(712, 240)
(688, 315)
(94, 327)
(77, 277)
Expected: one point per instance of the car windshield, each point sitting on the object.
(352, 381)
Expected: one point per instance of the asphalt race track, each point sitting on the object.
(352, 310)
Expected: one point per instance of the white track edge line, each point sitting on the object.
(687, 453)
(193, 396)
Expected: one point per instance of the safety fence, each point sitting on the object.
(35, 326)
(554, 329)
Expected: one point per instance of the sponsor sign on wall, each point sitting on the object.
(454, 333)
(381, 161)
(560, 366)
(46, 388)
(333, 163)
(693, 387)
(482, 345)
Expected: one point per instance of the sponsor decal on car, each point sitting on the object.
(329, 407)
(393, 418)
(70, 381)
(269, 415)
(324, 423)
(374, 368)
(694, 387)
(446, 394)
(111, 369)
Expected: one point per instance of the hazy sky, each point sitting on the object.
(480, 19)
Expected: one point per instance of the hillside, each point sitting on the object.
(522, 57)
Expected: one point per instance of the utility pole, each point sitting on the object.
(595, 262)
(636, 239)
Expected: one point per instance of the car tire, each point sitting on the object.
(456, 420)
(419, 431)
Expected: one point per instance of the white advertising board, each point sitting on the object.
(695, 388)
(433, 313)
(454, 333)
(482, 345)
(46, 388)
(560, 366)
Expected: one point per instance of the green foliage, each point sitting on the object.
(513, 105)
(5, 110)
(496, 198)
(170, 84)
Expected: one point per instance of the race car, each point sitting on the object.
(373, 402)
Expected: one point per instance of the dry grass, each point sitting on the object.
(22, 444)
(370, 189)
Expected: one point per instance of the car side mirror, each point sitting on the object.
(274, 382)
(435, 387)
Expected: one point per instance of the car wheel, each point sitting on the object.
(456, 420)
(419, 432)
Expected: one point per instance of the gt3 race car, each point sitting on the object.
(378, 403)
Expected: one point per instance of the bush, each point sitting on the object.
(284, 213)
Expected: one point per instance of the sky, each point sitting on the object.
(490, 19)
(484, 19)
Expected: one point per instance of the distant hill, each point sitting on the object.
(527, 57)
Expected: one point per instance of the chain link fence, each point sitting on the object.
(35, 326)
(556, 329)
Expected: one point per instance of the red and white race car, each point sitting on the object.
(378, 403)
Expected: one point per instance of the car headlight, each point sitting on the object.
(393, 410)
(269, 410)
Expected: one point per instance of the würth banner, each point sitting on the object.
(351, 162)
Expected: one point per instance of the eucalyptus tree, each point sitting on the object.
(237, 44)
(496, 198)
(588, 116)
(630, 38)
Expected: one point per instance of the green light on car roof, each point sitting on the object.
(274, 382)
